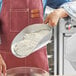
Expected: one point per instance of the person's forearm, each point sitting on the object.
(61, 12)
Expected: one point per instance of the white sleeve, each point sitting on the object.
(70, 8)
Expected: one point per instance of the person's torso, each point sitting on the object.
(16, 15)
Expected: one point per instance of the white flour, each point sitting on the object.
(29, 42)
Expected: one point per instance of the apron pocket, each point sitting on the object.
(18, 20)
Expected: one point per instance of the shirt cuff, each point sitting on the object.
(70, 8)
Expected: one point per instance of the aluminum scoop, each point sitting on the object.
(32, 29)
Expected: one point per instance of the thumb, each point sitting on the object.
(46, 20)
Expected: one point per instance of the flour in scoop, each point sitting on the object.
(29, 42)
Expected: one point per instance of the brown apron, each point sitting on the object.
(17, 14)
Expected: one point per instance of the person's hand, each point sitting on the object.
(2, 66)
(52, 18)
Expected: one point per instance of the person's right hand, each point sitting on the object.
(2, 66)
(53, 18)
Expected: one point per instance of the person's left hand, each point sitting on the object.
(52, 18)
(2, 66)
